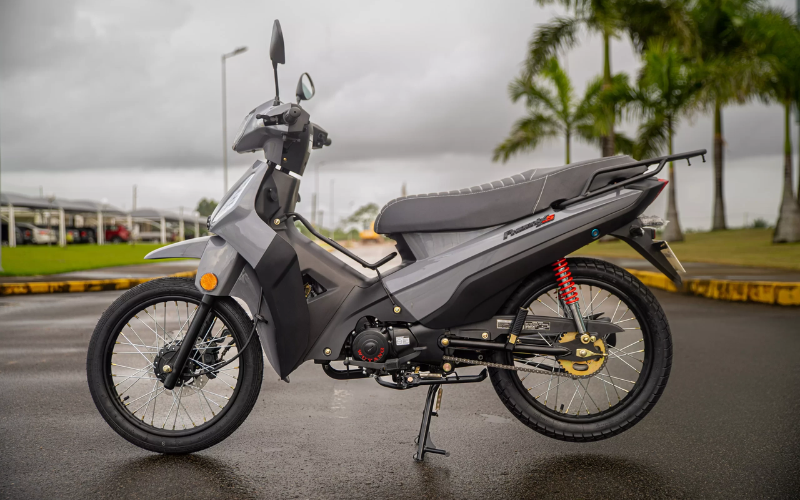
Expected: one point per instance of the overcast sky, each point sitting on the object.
(98, 95)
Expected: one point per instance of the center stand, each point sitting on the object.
(424, 441)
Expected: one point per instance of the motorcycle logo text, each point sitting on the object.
(537, 223)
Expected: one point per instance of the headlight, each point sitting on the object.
(242, 127)
(230, 203)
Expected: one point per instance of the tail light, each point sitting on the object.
(664, 183)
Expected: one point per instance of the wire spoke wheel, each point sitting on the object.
(606, 395)
(133, 348)
(615, 379)
(147, 342)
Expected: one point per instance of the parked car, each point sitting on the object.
(71, 234)
(83, 234)
(39, 235)
(117, 233)
(5, 235)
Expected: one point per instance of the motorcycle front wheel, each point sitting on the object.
(138, 334)
(607, 396)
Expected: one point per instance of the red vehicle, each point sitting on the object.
(117, 234)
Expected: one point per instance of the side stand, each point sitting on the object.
(424, 442)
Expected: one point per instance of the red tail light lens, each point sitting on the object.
(664, 183)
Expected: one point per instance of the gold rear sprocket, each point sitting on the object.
(593, 363)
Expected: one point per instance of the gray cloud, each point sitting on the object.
(129, 87)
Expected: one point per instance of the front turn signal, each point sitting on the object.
(208, 281)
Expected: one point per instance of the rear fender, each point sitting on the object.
(641, 239)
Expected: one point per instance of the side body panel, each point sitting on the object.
(426, 286)
(276, 268)
(469, 282)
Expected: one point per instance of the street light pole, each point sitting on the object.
(225, 117)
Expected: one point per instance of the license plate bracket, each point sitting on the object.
(669, 254)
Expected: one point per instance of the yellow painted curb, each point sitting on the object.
(763, 292)
(80, 286)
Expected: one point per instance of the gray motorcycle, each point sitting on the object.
(577, 349)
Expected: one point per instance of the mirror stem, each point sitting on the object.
(277, 91)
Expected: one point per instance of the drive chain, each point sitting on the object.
(509, 367)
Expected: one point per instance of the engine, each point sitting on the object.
(371, 345)
(375, 343)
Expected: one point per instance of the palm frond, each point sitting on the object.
(623, 144)
(526, 134)
(560, 33)
(563, 86)
(535, 95)
(652, 137)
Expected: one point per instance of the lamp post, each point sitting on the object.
(225, 117)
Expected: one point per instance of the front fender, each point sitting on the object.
(191, 249)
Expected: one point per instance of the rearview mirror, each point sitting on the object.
(276, 52)
(305, 88)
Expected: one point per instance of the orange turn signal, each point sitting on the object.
(208, 281)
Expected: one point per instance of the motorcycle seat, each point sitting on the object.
(497, 202)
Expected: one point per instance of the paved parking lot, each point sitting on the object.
(727, 426)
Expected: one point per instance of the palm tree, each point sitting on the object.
(608, 18)
(778, 43)
(554, 111)
(666, 92)
(730, 71)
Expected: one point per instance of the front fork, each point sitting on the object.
(175, 370)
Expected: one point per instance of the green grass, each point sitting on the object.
(739, 247)
(30, 260)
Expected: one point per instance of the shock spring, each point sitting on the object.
(566, 287)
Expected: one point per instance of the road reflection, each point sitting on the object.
(569, 476)
(175, 476)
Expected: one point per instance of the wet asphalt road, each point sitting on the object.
(727, 426)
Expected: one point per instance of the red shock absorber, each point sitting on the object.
(566, 287)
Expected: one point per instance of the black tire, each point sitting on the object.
(219, 427)
(648, 389)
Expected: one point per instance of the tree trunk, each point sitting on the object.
(568, 139)
(719, 197)
(673, 230)
(787, 230)
(607, 141)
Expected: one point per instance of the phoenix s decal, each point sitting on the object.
(537, 223)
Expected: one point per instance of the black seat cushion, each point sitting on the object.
(498, 202)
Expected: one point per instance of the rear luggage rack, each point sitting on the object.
(661, 160)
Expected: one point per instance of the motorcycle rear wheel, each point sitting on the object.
(136, 333)
(618, 401)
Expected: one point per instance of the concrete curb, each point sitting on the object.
(80, 286)
(762, 292)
